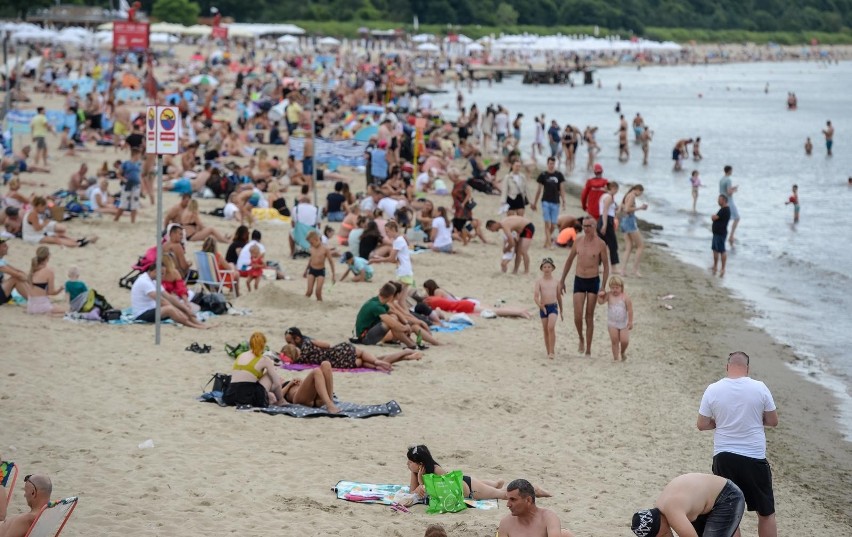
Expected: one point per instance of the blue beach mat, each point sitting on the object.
(450, 326)
(353, 491)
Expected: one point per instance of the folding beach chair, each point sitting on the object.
(8, 476)
(208, 271)
(52, 518)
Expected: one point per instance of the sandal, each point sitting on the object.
(195, 347)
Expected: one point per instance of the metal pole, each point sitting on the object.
(313, 146)
(8, 98)
(159, 247)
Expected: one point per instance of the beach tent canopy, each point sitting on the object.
(203, 80)
(423, 38)
(475, 47)
(428, 47)
(329, 42)
(165, 28)
(291, 39)
(159, 37)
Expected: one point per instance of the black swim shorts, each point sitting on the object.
(587, 285)
(752, 476)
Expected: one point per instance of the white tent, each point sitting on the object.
(329, 42)
(475, 47)
(422, 38)
(159, 37)
(165, 28)
(428, 47)
(288, 39)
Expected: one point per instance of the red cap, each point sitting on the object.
(383, 144)
(598, 168)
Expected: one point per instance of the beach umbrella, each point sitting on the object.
(159, 37)
(422, 38)
(428, 47)
(366, 133)
(290, 39)
(475, 47)
(329, 42)
(203, 80)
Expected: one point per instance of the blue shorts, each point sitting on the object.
(828, 144)
(336, 216)
(719, 243)
(628, 224)
(308, 166)
(550, 211)
(517, 134)
(549, 309)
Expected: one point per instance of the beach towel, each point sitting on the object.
(305, 367)
(353, 491)
(128, 318)
(347, 410)
(450, 326)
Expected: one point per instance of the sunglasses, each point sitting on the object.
(27, 480)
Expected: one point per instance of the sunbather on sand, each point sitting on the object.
(305, 350)
(420, 462)
(37, 489)
(254, 380)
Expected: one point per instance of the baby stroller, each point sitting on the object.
(141, 266)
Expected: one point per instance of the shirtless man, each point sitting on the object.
(590, 251)
(37, 489)
(645, 141)
(693, 505)
(175, 247)
(525, 230)
(623, 149)
(78, 183)
(528, 519)
(638, 128)
(11, 279)
(828, 131)
(174, 214)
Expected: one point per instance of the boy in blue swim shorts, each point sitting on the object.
(549, 302)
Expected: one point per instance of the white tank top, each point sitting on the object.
(610, 211)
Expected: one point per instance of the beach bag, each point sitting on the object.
(235, 350)
(215, 303)
(446, 492)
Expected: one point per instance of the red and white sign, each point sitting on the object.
(219, 32)
(163, 130)
(129, 35)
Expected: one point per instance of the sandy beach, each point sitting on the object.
(78, 398)
(604, 436)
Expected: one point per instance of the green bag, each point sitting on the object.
(446, 492)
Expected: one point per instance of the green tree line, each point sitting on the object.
(621, 15)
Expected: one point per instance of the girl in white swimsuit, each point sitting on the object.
(619, 317)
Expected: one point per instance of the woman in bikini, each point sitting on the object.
(42, 286)
(350, 222)
(195, 229)
(36, 229)
(253, 379)
(305, 350)
(420, 462)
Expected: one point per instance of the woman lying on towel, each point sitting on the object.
(254, 382)
(437, 298)
(304, 350)
(420, 462)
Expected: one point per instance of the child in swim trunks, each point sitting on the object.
(315, 272)
(794, 199)
(619, 314)
(255, 271)
(549, 302)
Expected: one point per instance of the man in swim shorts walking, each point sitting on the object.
(828, 131)
(591, 252)
(727, 188)
(693, 504)
(737, 408)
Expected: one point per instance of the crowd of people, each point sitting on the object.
(423, 176)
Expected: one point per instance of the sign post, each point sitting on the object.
(161, 138)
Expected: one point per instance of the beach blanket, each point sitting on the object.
(305, 367)
(347, 410)
(127, 318)
(450, 326)
(352, 491)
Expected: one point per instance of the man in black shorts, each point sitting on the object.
(736, 409)
(375, 323)
(590, 252)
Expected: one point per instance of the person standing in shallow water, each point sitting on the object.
(828, 131)
(727, 189)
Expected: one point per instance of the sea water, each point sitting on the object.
(796, 277)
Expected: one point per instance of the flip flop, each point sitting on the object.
(195, 347)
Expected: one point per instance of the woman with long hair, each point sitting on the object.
(630, 228)
(193, 226)
(42, 285)
(421, 462)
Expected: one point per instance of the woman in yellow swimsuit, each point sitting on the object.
(253, 379)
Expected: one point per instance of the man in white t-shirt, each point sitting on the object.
(371, 200)
(501, 124)
(143, 302)
(737, 408)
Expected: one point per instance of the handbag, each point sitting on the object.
(221, 383)
(446, 492)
